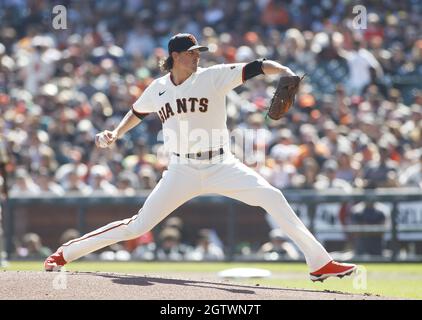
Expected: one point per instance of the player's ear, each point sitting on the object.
(174, 55)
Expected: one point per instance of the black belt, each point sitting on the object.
(205, 155)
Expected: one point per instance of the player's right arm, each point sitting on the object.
(140, 109)
(105, 138)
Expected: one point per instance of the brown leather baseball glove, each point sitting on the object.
(284, 96)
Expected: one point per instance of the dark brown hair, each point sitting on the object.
(166, 64)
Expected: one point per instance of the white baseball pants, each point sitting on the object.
(184, 181)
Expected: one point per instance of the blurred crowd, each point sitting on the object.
(357, 121)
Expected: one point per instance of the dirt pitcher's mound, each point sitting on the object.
(100, 285)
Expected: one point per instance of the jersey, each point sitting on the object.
(193, 114)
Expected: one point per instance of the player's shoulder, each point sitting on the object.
(202, 73)
(163, 80)
(226, 66)
(217, 68)
(202, 70)
(158, 83)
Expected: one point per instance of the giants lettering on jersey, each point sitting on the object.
(183, 105)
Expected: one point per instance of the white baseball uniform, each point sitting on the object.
(194, 120)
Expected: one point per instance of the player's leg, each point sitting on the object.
(237, 181)
(178, 185)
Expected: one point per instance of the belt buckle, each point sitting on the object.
(199, 155)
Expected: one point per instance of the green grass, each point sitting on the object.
(390, 280)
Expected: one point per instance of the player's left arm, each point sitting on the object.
(270, 67)
(228, 76)
(266, 67)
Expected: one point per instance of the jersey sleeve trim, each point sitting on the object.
(140, 115)
(243, 74)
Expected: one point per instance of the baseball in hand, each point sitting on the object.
(104, 139)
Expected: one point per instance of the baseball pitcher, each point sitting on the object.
(190, 102)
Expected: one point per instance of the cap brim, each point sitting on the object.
(200, 48)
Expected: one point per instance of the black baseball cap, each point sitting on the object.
(184, 42)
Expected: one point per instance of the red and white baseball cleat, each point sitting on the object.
(55, 261)
(333, 269)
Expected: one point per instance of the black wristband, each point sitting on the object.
(253, 69)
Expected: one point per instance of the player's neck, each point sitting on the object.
(178, 76)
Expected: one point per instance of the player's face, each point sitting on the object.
(189, 60)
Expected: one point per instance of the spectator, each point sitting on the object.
(174, 222)
(329, 178)
(368, 242)
(332, 213)
(24, 184)
(32, 247)
(75, 183)
(334, 141)
(360, 62)
(381, 173)
(73, 162)
(374, 29)
(99, 180)
(275, 14)
(284, 146)
(47, 184)
(41, 58)
(278, 248)
(206, 249)
(115, 252)
(411, 127)
(347, 168)
(170, 247)
(308, 176)
(311, 147)
(147, 177)
(377, 82)
(127, 183)
(282, 173)
(412, 176)
(143, 247)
